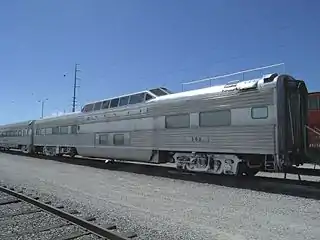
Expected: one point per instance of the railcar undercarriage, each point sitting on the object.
(227, 164)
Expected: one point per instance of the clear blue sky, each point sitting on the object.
(129, 45)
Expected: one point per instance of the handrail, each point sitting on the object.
(231, 74)
(317, 129)
(312, 130)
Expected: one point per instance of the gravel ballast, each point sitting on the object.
(161, 208)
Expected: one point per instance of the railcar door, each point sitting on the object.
(297, 107)
(30, 133)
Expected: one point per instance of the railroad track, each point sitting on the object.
(299, 188)
(27, 217)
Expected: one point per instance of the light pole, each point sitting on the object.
(42, 105)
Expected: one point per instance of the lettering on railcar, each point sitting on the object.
(198, 139)
(314, 145)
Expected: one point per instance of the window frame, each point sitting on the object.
(103, 106)
(122, 104)
(113, 100)
(96, 104)
(105, 141)
(175, 115)
(114, 137)
(64, 127)
(137, 97)
(257, 107)
(215, 125)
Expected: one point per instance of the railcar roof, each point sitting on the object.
(233, 85)
(23, 123)
(61, 117)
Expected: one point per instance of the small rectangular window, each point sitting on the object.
(114, 103)
(38, 131)
(43, 131)
(48, 131)
(215, 118)
(55, 130)
(178, 121)
(118, 139)
(103, 139)
(97, 106)
(74, 129)
(64, 130)
(105, 104)
(259, 112)
(124, 101)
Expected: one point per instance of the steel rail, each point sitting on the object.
(88, 226)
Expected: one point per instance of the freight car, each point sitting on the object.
(314, 120)
(236, 128)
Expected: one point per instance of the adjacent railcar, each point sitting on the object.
(235, 128)
(56, 135)
(17, 136)
(314, 120)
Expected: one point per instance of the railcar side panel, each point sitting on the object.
(235, 139)
(210, 102)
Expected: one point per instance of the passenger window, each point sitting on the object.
(63, 130)
(97, 106)
(103, 139)
(215, 118)
(158, 92)
(88, 108)
(259, 112)
(137, 98)
(178, 121)
(55, 130)
(148, 97)
(118, 139)
(48, 131)
(105, 104)
(19, 133)
(74, 129)
(124, 101)
(114, 103)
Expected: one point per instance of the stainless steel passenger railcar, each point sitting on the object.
(17, 136)
(234, 128)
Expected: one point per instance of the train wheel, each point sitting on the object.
(244, 170)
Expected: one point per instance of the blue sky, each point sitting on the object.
(125, 46)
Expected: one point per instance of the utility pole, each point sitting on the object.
(42, 106)
(75, 86)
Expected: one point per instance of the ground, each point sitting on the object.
(161, 208)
